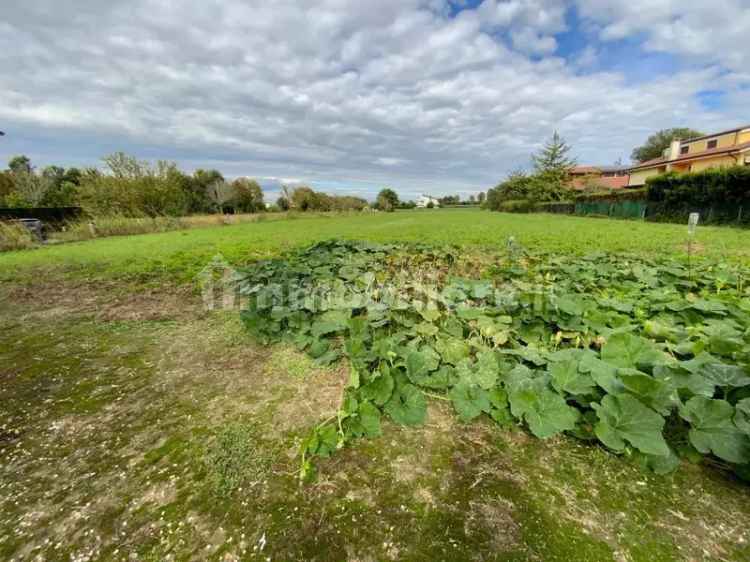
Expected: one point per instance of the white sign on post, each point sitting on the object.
(693, 223)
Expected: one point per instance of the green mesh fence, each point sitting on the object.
(641, 209)
(622, 209)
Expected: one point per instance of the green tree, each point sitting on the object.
(449, 200)
(202, 191)
(282, 203)
(552, 166)
(134, 188)
(20, 164)
(303, 199)
(30, 189)
(387, 200)
(248, 196)
(659, 141)
(7, 186)
(553, 160)
(61, 191)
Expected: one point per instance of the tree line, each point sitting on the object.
(127, 187)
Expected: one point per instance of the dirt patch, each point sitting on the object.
(496, 516)
(106, 301)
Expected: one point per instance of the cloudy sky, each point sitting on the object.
(432, 96)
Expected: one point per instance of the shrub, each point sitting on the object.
(613, 195)
(728, 185)
(14, 236)
(516, 206)
(536, 188)
(135, 189)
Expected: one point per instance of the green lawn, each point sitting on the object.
(177, 256)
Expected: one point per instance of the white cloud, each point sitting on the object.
(352, 95)
(529, 41)
(714, 31)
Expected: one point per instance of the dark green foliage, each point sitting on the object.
(645, 355)
(553, 161)
(200, 190)
(702, 189)
(304, 198)
(549, 182)
(282, 203)
(20, 164)
(248, 196)
(387, 200)
(659, 141)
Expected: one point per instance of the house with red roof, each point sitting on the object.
(606, 177)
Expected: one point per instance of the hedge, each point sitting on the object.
(614, 195)
(713, 186)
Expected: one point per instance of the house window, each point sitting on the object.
(684, 149)
(712, 144)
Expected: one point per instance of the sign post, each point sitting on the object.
(692, 226)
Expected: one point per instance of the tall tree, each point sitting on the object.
(20, 164)
(202, 192)
(659, 141)
(554, 157)
(387, 200)
(248, 196)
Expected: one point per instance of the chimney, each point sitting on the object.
(674, 149)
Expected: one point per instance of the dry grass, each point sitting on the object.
(14, 237)
(103, 227)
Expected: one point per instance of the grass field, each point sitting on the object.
(177, 256)
(134, 425)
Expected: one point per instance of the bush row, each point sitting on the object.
(721, 186)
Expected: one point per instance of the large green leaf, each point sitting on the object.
(630, 351)
(679, 378)
(469, 400)
(331, 321)
(420, 362)
(452, 350)
(651, 391)
(380, 389)
(407, 406)
(485, 370)
(742, 415)
(545, 412)
(713, 429)
(624, 419)
(722, 374)
(604, 374)
(324, 441)
(443, 378)
(569, 304)
(365, 421)
(567, 378)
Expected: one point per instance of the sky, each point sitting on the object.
(349, 96)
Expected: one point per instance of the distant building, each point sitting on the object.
(608, 177)
(425, 200)
(727, 148)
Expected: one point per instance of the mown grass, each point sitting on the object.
(178, 256)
